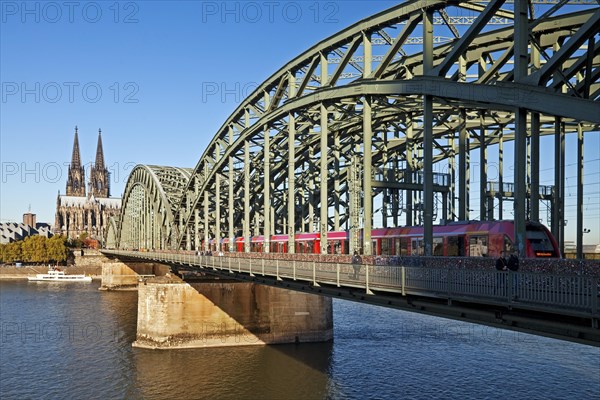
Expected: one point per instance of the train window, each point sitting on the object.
(456, 246)
(336, 247)
(478, 246)
(386, 247)
(417, 245)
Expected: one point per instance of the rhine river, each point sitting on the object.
(73, 341)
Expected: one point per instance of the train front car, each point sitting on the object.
(539, 242)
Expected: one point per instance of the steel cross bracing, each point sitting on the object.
(283, 161)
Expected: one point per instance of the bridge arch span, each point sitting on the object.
(151, 195)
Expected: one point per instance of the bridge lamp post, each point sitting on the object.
(580, 243)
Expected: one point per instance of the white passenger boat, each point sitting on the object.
(55, 275)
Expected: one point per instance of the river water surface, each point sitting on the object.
(73, 341)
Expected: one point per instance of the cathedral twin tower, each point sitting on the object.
(99, 176)
(78, 212)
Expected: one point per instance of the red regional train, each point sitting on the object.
(461, 239)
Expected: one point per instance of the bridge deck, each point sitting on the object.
(562, 306)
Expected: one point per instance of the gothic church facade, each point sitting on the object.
(88, 212)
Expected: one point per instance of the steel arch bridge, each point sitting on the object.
(357, 123)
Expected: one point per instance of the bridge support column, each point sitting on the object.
(175, 314)
(117, 275)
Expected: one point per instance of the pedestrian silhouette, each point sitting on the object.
(513, 266)
(356, 262)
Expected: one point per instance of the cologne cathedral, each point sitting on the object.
(79, 212)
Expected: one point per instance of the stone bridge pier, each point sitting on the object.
(125, 275)
(176, 314)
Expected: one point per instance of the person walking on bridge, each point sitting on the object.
(500, 276)
(513, 266)
(356, 262)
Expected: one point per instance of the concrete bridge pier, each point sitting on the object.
(175, 314)
(119, 275)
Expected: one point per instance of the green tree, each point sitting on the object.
(56, 248)
(13, 252)
(40, 252)
(34, 249)
(2, 253)
(28, 249)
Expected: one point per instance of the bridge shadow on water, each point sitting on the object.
(267, 372)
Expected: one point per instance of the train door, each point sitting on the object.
(316, 246)
(239, 244)
(396, 249)
(438, 246)
(456, 246)
(495, 245)
(405, 246)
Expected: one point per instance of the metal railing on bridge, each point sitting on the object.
(575, 295)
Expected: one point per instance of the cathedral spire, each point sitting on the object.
(76, 158)
(99, 178)
(76, 175)
(99, 152)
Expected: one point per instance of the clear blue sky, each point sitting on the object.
(154, 63)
